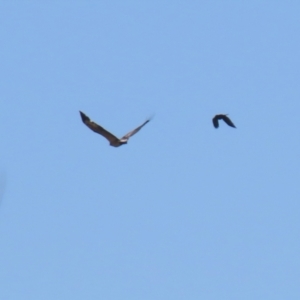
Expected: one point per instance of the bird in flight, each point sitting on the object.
(113, 140)
(216, 119)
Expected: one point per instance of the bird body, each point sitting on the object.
(223, 117)
(113, 140)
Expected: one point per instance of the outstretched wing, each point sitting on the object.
(228, 121)
(97, 128)
(131, 133)
(215, 121)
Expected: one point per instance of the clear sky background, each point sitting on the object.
(183, 211)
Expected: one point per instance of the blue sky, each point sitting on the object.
(183, 211)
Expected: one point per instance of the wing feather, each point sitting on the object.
(97, 128)
(228, 121)
(215, 121)
(134, 131)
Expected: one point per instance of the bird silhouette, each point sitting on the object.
(216, 119)
(113, 140)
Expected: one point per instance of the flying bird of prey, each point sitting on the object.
(113, 140)
(216, 119)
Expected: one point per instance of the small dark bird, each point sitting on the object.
(216, 119)
(113, 140)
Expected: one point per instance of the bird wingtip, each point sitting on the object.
(84, 117)
(151, 117)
